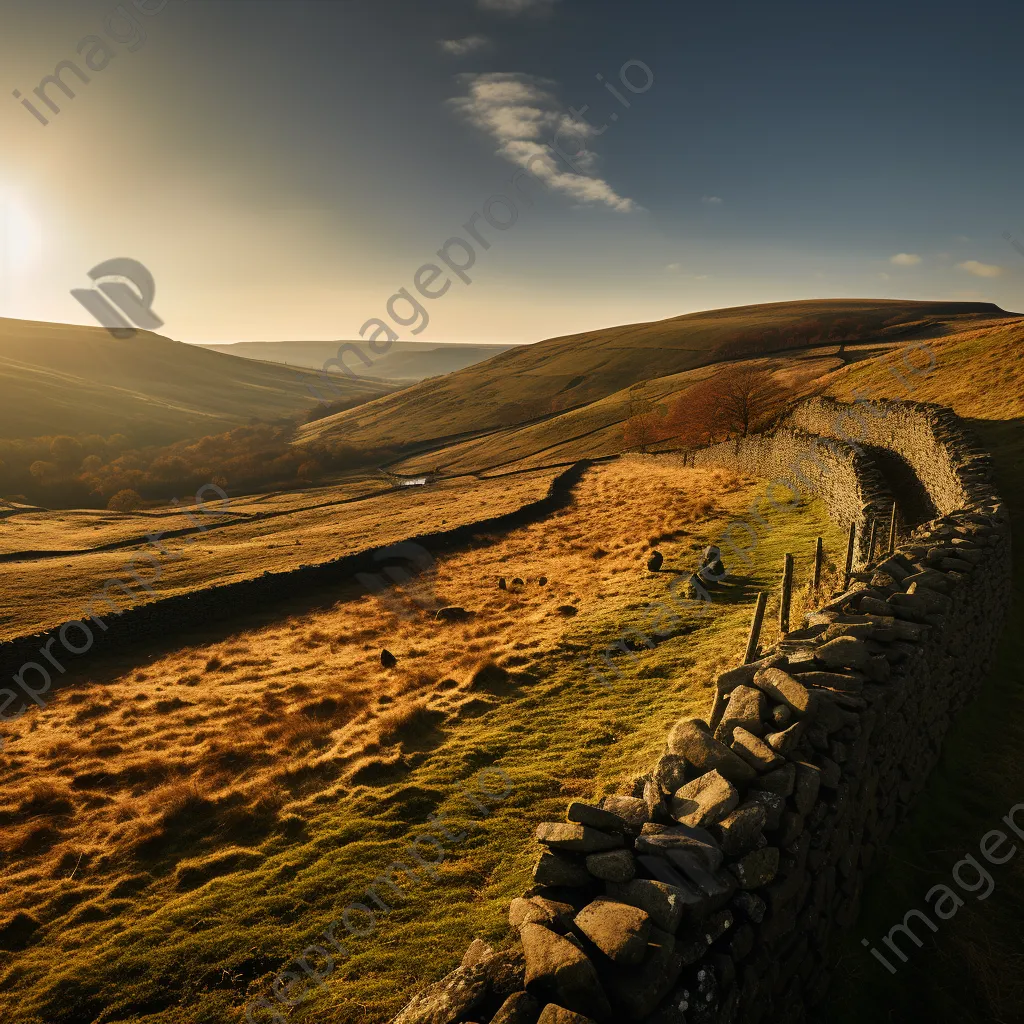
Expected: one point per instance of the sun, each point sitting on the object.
(20, 235)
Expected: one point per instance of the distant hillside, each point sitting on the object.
(405, 360)
(527, 383)
(65, 379)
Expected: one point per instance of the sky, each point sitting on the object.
(284, 168)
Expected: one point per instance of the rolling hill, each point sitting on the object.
(405, 360)
(66, 379)
(526, 384)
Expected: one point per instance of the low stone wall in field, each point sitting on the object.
(166, 617)
(714, 887)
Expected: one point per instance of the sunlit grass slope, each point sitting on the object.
(64, 379)
(526, 383)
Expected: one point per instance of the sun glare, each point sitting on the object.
(20, 236)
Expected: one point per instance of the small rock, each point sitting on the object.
(654, 563)
(502, 583)
(538, 910)
(785, 742)
(542, 581)
(478, 950)
(738, 833)
(754, 750)
(518, 582)
(757, 868)
(670, 772)
(387, 659)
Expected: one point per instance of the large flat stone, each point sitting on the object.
(782, 687)
(691, 738)
(619, 930)
(665, 904)
(559, 972)
(574, 838)
(705, 800)
(556, 869)
(747, 708)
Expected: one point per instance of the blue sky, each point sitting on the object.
(283, 168)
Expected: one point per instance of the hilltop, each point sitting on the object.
(528, 383)
(404, 360)
(67, 379)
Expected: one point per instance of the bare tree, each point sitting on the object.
(747, 398)
(643, 419)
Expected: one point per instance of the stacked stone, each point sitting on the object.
(714, 889)
(839, 473)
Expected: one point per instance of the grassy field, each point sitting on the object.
(78, 552)
(552, 376)
(178, 831)
(65, 379)
(972, 970)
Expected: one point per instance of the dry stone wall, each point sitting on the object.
(713, 889)
(928, 437)
(168, 616)
(793, 459)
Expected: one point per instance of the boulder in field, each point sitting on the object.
(451, 613)
(655, 561)
(387, 659)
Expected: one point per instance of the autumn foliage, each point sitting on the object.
(734, 402)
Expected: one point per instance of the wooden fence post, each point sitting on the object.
(892, 530)
(755, 628)
(787, 594)
(849, 555)
(871, 540)
(818, 558)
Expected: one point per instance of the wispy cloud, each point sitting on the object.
(980, 269)
(518, 6)
(521, 114)
(905, 259)
(460, 47)
(712, 200)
